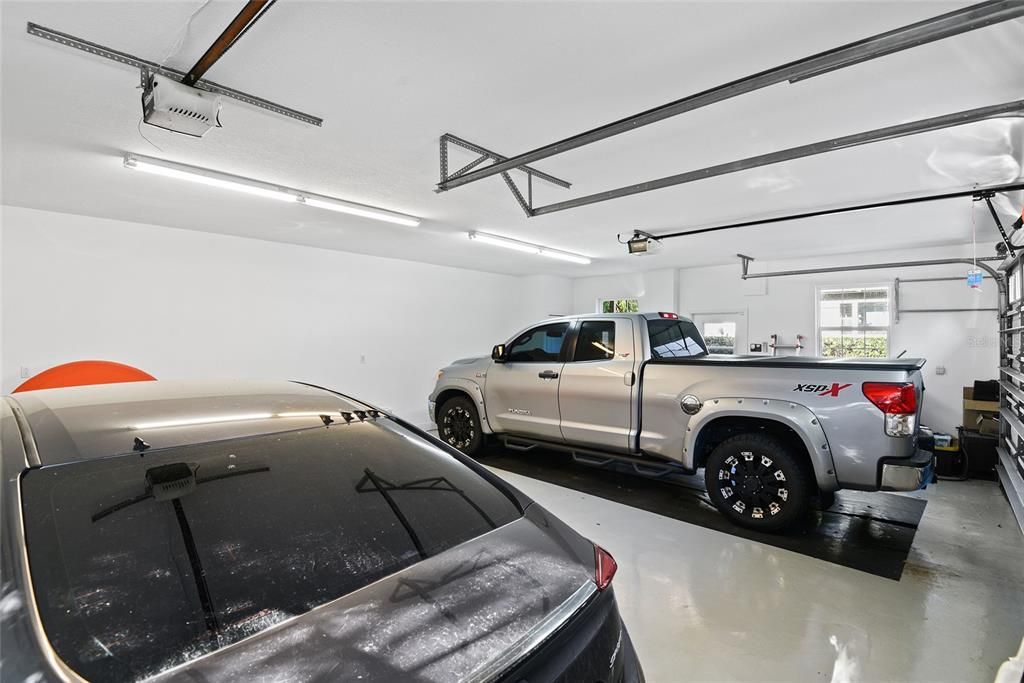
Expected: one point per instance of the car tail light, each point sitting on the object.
(670, 316)
(899, 403)
(605, 570)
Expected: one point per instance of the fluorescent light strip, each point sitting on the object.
(360, 210)
(505, 242)
(564, 256)
(204, 177)
(527, 247)
(226, 181)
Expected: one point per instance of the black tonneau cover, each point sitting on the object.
(805, 362)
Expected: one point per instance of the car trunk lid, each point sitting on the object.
(467, 614)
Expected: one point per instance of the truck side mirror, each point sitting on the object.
(498, 353)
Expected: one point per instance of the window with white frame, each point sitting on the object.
(618, 306)
(853, 322)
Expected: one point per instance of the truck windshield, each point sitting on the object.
(675, 339)
(144, 562)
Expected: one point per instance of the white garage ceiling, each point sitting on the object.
(389, 78)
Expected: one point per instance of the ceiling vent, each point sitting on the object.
(180, 108)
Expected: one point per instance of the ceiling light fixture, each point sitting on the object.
(564, 256)
(360, 210)
(527, 247)
(205, 177)
(259, 188)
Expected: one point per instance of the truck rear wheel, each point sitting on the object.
(757, 482)
(458, 425)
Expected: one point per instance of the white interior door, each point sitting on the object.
(725, 333)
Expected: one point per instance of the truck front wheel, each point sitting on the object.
(458, 425)
(757, 482)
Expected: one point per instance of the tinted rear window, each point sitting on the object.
(596, 341)
(131, 580)
(675, 339)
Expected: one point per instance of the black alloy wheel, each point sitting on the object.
(758, 482)
(458, 425)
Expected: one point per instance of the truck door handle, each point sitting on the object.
(548, 374)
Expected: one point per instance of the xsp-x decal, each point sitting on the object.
(822, 389)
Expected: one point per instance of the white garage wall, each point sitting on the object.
(179, 303)
(965, 344)
(543, 296)
(656, 290)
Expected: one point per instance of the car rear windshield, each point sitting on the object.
(675, 339)
(143, 562)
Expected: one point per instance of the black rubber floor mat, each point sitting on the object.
(871, 532)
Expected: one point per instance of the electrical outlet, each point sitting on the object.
(25, 372)
(757, 347)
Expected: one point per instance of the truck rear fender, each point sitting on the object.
(721, 418)
(457, 386)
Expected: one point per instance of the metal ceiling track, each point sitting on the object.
(145, 65)
(485, 154)
(1015, 108)
(919, 33)
(977, 193)
(979, 263)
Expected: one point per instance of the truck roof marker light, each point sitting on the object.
(892, 398)
(670, 316)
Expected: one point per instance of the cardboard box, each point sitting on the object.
(978, 410)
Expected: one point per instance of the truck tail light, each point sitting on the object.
(605, 568)
(670, 316)
(898, 401)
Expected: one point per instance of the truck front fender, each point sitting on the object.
(798, 418)
(465, 387)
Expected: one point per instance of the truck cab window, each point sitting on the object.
(539, 345)
(675, 339)
(596, 341)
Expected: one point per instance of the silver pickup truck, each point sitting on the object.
(773, 434)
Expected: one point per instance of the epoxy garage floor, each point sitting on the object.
(703, 605)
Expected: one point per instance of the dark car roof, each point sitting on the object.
(82, 423)
(257, 446)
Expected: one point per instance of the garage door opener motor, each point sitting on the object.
(177, 107)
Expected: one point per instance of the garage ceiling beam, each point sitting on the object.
(243, 21)
(1015, 108)
(919, 33)
(976, 193)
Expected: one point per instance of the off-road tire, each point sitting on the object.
(458, 425)
(758, 482)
